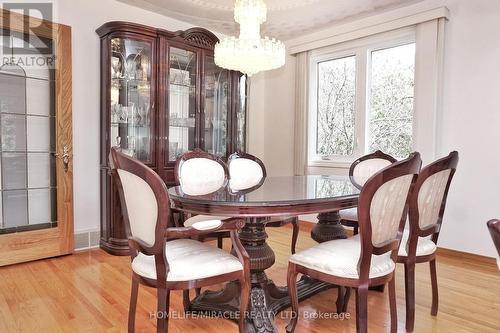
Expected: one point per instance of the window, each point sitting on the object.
(336, 107)
(390, 112)
(361, 99)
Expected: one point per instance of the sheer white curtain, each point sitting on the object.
(301, 110)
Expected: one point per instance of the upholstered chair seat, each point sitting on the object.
(350, 214)
(202, 218)
(340, 258)
(425, 245)
(188, 260)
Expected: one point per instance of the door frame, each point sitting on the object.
(38, 244)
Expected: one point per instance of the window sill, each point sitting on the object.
(329, 164)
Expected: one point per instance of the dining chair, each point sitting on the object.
(166, 258)
(494, 228)
(246, 173)
(199, 172)
(359, 172)
(368, 258)
(419, 242)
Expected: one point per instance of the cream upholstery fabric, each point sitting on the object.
(244, 173)
(425, 245)
(202, 218)
(207, 225)
(365, 169)
(189, 260)
(200, 176)
(340, 258)
(387, 208)
(142, 207)
(350, 214)
(430, 198)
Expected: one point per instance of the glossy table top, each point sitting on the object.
(300, 194)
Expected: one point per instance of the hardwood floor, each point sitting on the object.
(89, 292)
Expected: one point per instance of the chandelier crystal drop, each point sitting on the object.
(249, 53)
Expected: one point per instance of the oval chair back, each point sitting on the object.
(246, 172)
(144, 201)
(382, 210)
(199, 172)
(428, 201)
(367, 165)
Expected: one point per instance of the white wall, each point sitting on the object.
(84, 17)
(469, 122)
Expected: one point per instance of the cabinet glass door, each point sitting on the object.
(215, 113)
(241, 112)
(182, 102)
(131, 97)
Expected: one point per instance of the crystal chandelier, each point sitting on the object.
(249, 53)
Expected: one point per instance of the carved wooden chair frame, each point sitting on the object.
(445, 163)
(411, 165)
(163, 233)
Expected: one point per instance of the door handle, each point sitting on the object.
(64, 157)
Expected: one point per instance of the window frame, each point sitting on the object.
(361, 49)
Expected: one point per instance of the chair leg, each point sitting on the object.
(162, 310)
(362, 309)
(198, 291)
(392, 304)
(220, 243)
(435, 295)
(410, 296)
(186, 302)
(294, 297)
(347, 296)
(341, 290)
(133, 305)
(244, 299)
(295, 233)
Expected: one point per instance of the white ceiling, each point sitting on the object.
(285, 18)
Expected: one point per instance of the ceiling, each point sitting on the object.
(285, 18)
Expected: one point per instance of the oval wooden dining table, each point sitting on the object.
(285, 196)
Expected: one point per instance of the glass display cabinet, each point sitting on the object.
(162, 95)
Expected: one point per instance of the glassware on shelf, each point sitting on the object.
(182, 102)
(117, 67)
(122, 114)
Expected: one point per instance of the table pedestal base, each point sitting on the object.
(328, 228)
(266, 299)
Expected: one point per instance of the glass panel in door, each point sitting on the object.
(131, 97)
(27, 135)
(216, 107)
(182, 102)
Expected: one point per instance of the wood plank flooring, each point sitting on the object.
(89, 292)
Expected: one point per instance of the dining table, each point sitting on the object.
(272, 198)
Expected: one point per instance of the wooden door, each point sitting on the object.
(36, 140)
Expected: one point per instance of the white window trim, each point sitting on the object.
(360, 48)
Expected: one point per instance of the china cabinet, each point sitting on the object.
(161, 96)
